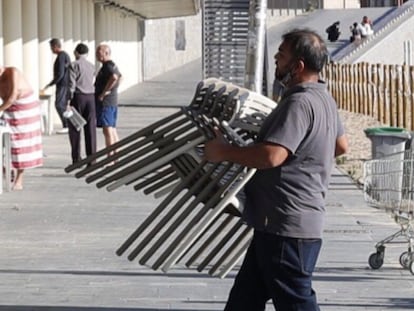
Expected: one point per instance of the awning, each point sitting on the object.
(152, 9)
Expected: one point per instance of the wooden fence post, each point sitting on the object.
(401, 121)
(411, 95)
(364, 86)
(387, 84)
(405, 98)
(374, 92)
(350, 86)
(393, 95)
(381, 93)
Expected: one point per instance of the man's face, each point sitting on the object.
(54, 49)
(100, 54)
(283, 61)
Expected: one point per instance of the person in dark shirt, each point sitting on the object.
(106, 94)
(333, 32)
(355, 33)
(61, 80)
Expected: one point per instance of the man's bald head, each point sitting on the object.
(103, 53)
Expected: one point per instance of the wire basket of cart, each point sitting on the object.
(388, 185)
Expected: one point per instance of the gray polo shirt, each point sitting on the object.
(82, 77)
(289, 200)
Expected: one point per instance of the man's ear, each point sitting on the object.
(300, 66)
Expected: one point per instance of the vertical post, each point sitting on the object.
(374, 91)
(1, 34)
(393, 95)
(57, 19)
(381, 93)
(44, 32)
(68, 26)
(30, 43)
(401, 111)
(365, 86)
(351, 72)
(12, 33)
(91, 31)
(255, 45)
(76, 21)
(408, 56)
(405, 95)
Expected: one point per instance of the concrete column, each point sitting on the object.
(91, 31)
(1, 35)
(57, 19)
(84, 20)
(255, 46)
(109, 29)
(45, 55)
(30, 43)
(12, 31)
(76, 18)
(68, 26)
(99, 23)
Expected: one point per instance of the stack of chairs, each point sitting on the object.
(197, 221)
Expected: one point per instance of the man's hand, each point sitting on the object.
(215, 149)
(102, 96)
(43, 91)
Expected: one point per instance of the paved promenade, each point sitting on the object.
(59, 235)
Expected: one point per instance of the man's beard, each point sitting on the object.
(283, 78)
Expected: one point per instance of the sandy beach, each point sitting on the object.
(359, 144)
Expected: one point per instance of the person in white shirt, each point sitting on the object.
(365, 27)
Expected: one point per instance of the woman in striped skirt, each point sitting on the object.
(21, 110)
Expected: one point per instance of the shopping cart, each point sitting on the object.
(388, 185)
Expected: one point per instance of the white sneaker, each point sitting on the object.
(62, 131)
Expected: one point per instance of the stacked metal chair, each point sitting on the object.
(198, 219)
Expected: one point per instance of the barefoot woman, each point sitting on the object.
(21, 110)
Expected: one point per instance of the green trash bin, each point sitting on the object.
(388, 141)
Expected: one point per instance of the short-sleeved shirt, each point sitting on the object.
(82, 75)
(107, 70)
(61, 70)
(289, 200)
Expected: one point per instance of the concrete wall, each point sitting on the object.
(123, 34)
(306, 5)
(341, 4)
(169, 43)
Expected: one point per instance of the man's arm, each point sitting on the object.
(60, 72)
(13, 76)
(261, 156)
(113, 79)
(73, 72)
(341, 146)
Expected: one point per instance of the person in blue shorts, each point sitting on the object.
(106, 94)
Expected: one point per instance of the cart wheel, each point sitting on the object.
(411, 267)
(405, 259)
(376, 260)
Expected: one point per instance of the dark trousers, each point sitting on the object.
(61, 99)
(85, 105)
(276, 268)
